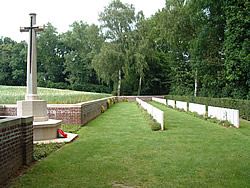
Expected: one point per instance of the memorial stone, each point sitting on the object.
(43, 128)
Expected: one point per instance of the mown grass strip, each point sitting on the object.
(119, 148)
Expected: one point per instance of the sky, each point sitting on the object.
(60, 13)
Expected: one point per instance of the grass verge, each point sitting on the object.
(43, 150)
(118, 148)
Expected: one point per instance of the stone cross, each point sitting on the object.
(31, 58)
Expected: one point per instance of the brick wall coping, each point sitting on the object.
(78, 104)
(7, 105)
(87, 102)
(94, 101)
(14, 120)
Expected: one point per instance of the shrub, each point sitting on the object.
(214, 120)
(108, 103)
(169, 106)
(155, 126)
(111, 102)
(206, 118)
(181, 110)
(102, 109)
(198, 115)
(43, 150)
(124, 100)
(226, 123)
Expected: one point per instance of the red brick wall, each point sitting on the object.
(8, 110)
(68, 114)
(16, 148)
(78, 114)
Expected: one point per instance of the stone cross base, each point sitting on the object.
(30, 97)
(36, 108)
(43, 127)
(46, 130)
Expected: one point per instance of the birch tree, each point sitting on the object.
(117, 21)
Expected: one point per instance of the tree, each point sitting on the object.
(82, 43)
(50, 58)
(105, 62)
(237, 48)
(139, 48)
(18, 63)
(118, 22)
(6, 46)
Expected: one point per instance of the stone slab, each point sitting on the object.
(71, 137)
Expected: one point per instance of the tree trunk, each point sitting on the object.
(139, 89)
(195, 84)
(119, 83)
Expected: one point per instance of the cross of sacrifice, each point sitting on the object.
(31, 58)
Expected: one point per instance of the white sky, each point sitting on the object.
(61, 13)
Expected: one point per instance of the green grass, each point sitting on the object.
(43, 150)
(11, 94)
(118, 147)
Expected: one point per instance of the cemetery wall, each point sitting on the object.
(133, 98)
(16, 137)
(8, 110)
(77, 114)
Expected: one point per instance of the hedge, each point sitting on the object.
(241, 105)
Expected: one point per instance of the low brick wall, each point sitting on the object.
(133, 98)
(16, 149)
(8, 110)
(77, 114)
(68, 113)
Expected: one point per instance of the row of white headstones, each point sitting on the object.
(157, 114)
(230, 115)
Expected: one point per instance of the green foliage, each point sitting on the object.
(43, 150)
(155, 126)
(102, 109)
(241, 105)
(50, 57)
(188, 48)
(124, 100)
(236, 45)
(111, 102)
(226, 123)
(108, 103)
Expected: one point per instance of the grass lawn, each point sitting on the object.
(11, 94)
(119, 149)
